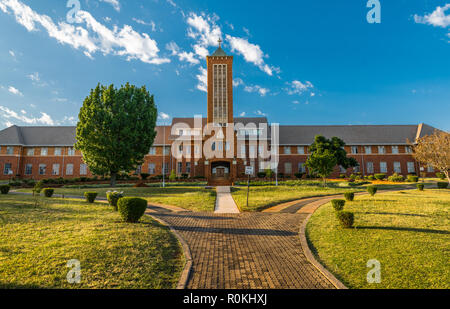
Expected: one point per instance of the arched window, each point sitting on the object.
(213, 146)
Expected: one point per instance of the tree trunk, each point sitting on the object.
(113, 179)
(447, 175)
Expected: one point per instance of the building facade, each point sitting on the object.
(218, 147)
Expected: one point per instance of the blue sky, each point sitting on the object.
(298, 62)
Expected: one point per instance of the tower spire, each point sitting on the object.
(220, 42)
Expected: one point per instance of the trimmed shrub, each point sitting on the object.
(113, 198)
(413, 178)
(132, 209)
(4, 189)
(38, 187)
(144, 176)
(396, 178)
(48, 192)
(338, 205)
(298, 175)
(420, 186)
(440, 175)
(346, 219)
(372, 190)
(269, 173)
(261, 174)
(349, 196)
(353, 177)
(342, 176)
(380, 176)
(442, 185)
(90, 196)
(173, 176)
(371, 177)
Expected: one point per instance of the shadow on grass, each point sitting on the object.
(402, 229)
(394, 214)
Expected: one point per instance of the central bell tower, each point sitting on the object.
(220, 87)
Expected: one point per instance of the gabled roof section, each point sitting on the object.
(11, 136)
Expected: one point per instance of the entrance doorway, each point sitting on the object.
(220, 170)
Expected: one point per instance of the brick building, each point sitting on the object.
(218, 147)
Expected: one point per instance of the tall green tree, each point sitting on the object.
(322, 163)
(336, 147)
(116, 129)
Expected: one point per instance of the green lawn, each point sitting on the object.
(192, 198)
(408, 232)
(262, 197)
(37, 243)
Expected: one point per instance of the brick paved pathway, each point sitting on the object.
(242, 251)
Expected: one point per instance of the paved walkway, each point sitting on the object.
(224, 202)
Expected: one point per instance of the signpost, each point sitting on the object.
(249, 170)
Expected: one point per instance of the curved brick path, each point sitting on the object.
(245, 251)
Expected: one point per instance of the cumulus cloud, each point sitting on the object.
(163, 116)
(237, 82)
(182, 55)
(14, 91)
(115, 4)
(150, 24)
(260, 113)
(34, 77)
(205, 31)
(297, 87)
(9, 114)
(262, 91)
(437, 18)
(202, 80)
(89, 35)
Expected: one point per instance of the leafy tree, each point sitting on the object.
(116, 128)
(322, 163)
(434, 150)
(269, 173)
(336, 147)
(173, 176)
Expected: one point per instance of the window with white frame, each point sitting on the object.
(368, 149)
(287, 150)
(30, 152)
(29, 169)
(301, 168)
(83, 169)
(188, 167)
(165, 168)
(369, 167)
(408, 149)
(301, 150)
(42, 169)
(8, 169)
(152, 168)
(430, 169)
(395, 149)
(167, 151)
(243, 151)
(180, 167)
(381, 149)
(71, 151)
(251, 151)
(383, 167)
(397, 167)
(44, 151)
(355, 150)
(411, 167)
(55, 169)
(288, 168)
(69, 169)
(9, 150)
(152, 151)
(58, 151)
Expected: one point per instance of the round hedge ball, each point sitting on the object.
(132, 209)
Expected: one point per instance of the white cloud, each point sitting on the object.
(12, 53)
(297, 87)
(115, 4)
(93, 37)
(34, 77)
(202, 80)
(260, 113)
(14, 91)
(7, 113)
(205, 31)
(173, 48)
(437, 18)
(189, 57)
(296, 102)
(251, 52)
(163, 116)
(237, 82)
(246, 31)
(151, 23)
(172, 3)
(262, 91)
(242, 114)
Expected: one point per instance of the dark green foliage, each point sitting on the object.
(90, 196)
(173, 176)
(440, 175)
(380, 176)
(396, 178)
(132, 209)
(413, 178)
(442, 185)
(144, 176)
(299, 175)
(116, 128)
(261, 174)
(113, 198)
(371, 177)
(349, 196)
(48, 192)
(338, 205)
(38, 187)
(336, 147)
(372, 190)
(322, 163)
(342, 176)
(420, 186)
(346, 219)
(269, 173)
(4, 189)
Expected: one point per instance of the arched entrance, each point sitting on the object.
(221, 171)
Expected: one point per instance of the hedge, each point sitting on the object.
(132, 209)
(338, 205)
(380, 176)
(90, 196)
(113, 198)
(442, 185)
(48, 192)
(420, 186)
(346, 219)
(349, 196)
(372, 190)
(4, 189)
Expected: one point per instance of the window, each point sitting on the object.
(408, 149)
(287, 150)
(251, 151)
(55, 169)
(369, 167)
(152, 151)
(430, 169)
(397, 167)
(356, 169)
(301, 168)
(57, 151)
(30, 152)
(220, 146)
(197, 150)
(152, 169)
(213, 146)
(368, 149)
(180, 167)
(71, 151)
(227, 146)
(165, 168)
(138, 170)
(69, 169)
(381, 150)
(288, 168)
(44, 151)
(342, 170)
(355, 150)
(261, 150)
(243, 152)
(167, 151)
(83, 169)
(220, 94)
(395, 149)
(301, 150)
(411, 167)
(383, 167)
(8, 169)
(29, 169)
(188, 167)
(9, 150)
(42, 169)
